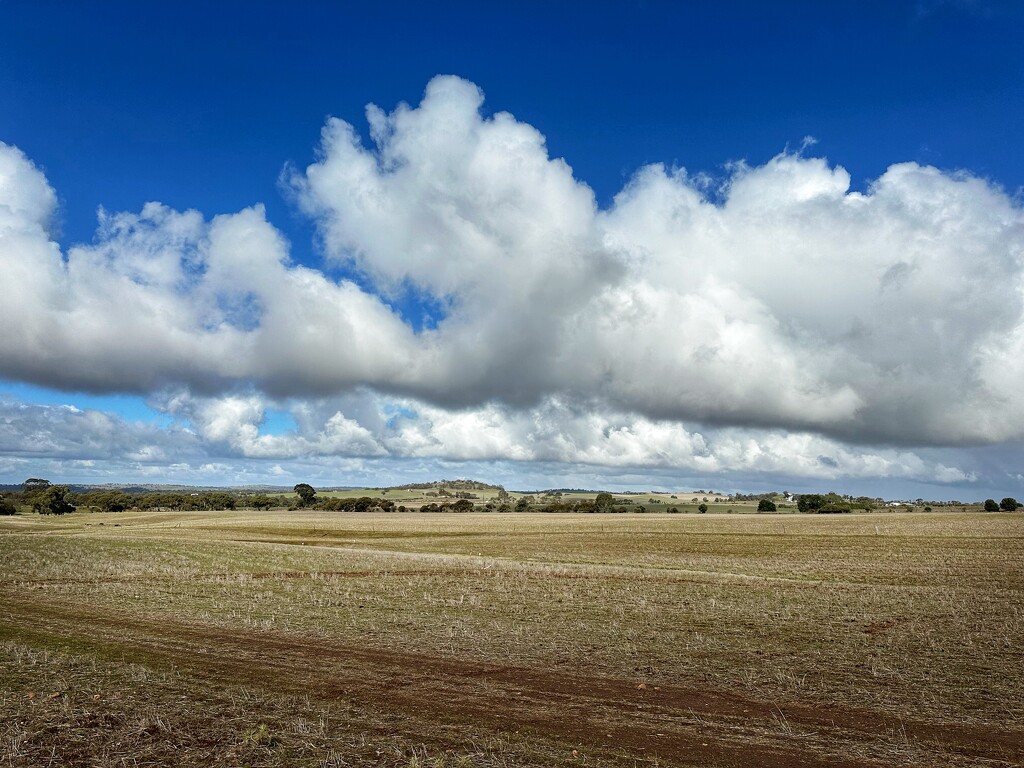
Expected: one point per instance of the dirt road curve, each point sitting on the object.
(600, 716)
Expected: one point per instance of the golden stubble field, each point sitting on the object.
(327, 639)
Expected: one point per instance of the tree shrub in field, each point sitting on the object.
(33, 490)
(6, 508)
(702, 508)
(307, 494)
(766, 505)
(1009, 504)
(991, 506)
(52, 501)
(35, 485)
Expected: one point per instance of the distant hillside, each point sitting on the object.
(453, 485)
(155, 488)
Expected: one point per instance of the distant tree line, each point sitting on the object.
(832, 503)
(44, 498)
(771, 495)
(462, 505)
(361, 504)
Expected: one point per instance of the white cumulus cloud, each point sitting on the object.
(780, 322)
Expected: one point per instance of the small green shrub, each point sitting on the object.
(261, 736)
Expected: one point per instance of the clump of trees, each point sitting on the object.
(604, 503)
(462, 505)
(831, 503)
(766, 505)
(7, 507)
(1009, 504)
(47, 499)
(206, 501)
(361, 504)
(581, 505)
(105, 501)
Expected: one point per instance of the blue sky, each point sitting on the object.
(216, 108)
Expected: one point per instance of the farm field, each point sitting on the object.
(334, 639)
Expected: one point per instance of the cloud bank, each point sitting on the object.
(680, 326)
(552, 435)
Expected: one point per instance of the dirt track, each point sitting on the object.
(612, 718)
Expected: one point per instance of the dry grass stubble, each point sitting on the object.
(904, 619)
